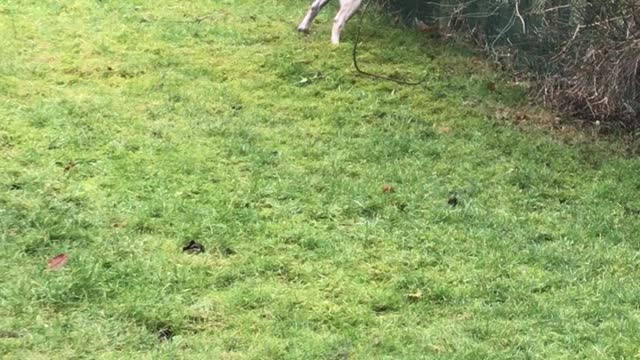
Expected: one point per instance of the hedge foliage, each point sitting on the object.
(583, 55)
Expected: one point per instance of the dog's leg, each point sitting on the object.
(347, 9)
(313, 12)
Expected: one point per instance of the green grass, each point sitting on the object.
(128, 129)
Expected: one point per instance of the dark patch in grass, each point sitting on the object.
(251, 300)
(33, 248)
(402, 206)
(232, 344)
(632, 211)
(16, 186)
(226, 279)
(453, 200)
(68, 166)
(193, 247)
(479, 333)
(341, 353)
(268, 158)
(382, 308)
(438, 296)
(7, 334)
(277, 270)
(165, 334)
(319, 215)
(310, 243)
(225, 250)
(307, 242)
(144, 227)
(542, 289)
(542, 238)
(157, 134)
(498, 294)
(368, 210)
(285, 274)
(6, 140)
(197, 319)
(132, 147)
(57, 235)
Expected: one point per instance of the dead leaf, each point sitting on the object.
(387, 188)
(58, 262)
(491, 86)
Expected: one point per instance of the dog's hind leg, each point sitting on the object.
(311, 14)
(347, 9)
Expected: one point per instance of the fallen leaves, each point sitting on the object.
(57, 262)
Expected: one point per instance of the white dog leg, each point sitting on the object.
(347, 9)
(313, 12)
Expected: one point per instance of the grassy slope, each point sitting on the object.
(127, 129)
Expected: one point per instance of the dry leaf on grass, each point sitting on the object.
(58, 262)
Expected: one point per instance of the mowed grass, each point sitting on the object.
(128, 128)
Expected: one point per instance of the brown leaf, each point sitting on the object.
(58, 262)
(491, 86)
(387, 188)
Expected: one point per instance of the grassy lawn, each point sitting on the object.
(128, 128)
